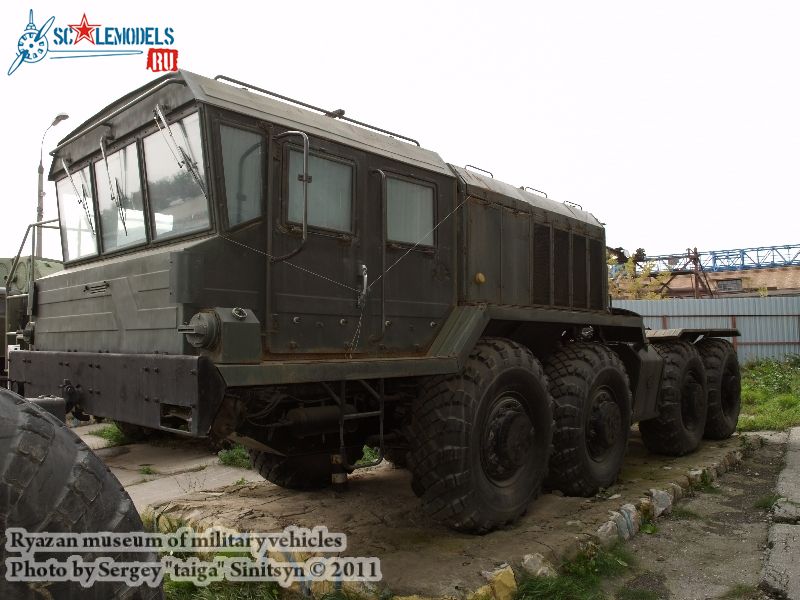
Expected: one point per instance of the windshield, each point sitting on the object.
(77, 215)
(177, 200)
(119, 196)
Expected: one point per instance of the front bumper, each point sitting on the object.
(160, 391)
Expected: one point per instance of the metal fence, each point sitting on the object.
(770, 327)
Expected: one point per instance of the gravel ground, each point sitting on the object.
(712, 546)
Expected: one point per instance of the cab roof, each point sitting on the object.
(174, 90)
(244, 101)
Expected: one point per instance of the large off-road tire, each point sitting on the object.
(397, 456)
(480, 439)
(311, 472)
(679, 426)
(50, 481)
(724, 387)
(308, 472)
(592, 407)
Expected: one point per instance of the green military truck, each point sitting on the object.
(245, 266)
(14, 279)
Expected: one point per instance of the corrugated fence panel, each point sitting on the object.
(770, 327)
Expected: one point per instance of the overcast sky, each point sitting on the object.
(675, 123)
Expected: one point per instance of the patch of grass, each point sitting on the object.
(112, 434)
(746, 444)
(556, 588)
(679, 512)
(741, 590)
(235, 456)
(579, 579)
(147, 470)
(369, 455)
(706, 485)
(222, 590)
(636, 594)
(341, 595)
(240, 481)
(766, 502)
(648, 526)
(595, 561)
(770, 394)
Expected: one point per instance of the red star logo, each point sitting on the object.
(84, 30)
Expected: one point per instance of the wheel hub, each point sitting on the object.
(731, 389)
(605, 425)
(691, 395)
(508, 439)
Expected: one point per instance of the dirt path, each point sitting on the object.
(713, 545)
(382, 518)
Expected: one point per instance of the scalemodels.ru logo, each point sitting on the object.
(92, 40)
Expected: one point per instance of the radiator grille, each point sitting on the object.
(579, 291)
(561, 267)
(541, 264)
(598, 273)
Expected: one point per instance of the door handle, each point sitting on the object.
(364, 286)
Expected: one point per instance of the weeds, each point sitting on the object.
(240, 481)
(706, 485)
(770, 394)
(112, 434)
(579, 579)
(679, 512)
(369, 455)
(766, 502)
(222, 590)
(648, 526)
(636, 594)
(235, 456)
(741, 591)
(147, 470)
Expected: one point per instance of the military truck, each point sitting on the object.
(245, 266)
(14, 279)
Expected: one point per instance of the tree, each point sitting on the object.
(631, 281)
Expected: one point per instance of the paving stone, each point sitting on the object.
(537, 565)
(662, 502)
(786, 511)
(781, 574)
(789, 480)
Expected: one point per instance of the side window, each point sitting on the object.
(77, 215)
(242, 155)
(409, 212)
(330, 193)
(122, 216)
(176, 199)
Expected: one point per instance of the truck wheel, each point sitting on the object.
(50, 481)
(481, 438)
(724, 387)
(310, 472)
(307, 472)
(397, 456)
(679, 426)
(592, 406)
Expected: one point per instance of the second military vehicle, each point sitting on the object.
(244, 266)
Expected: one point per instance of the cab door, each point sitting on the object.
(313, 284)
(412, 213)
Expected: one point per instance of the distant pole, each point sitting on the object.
(40, 195)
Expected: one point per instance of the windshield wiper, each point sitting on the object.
(115, 198)
(83, 197)
(181, 156)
